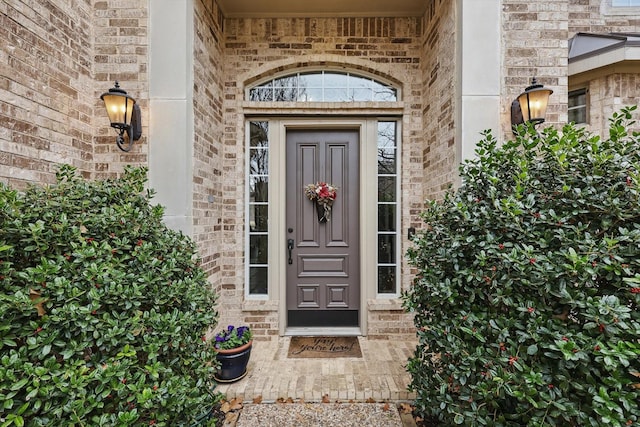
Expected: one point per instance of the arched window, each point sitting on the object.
(322, 86)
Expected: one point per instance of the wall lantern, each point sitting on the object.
(124, 115)
(531, 105)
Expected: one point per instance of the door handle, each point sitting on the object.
(290, 248)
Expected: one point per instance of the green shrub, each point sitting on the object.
(526, 297)
(104, 309)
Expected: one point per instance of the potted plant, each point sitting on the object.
(233, 348)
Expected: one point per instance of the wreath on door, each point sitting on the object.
(323, 195)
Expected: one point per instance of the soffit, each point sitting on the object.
(324, 8)
(589, 52)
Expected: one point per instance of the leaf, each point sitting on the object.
(235, 404)
(532, 349)
(20, 384)
(458, 419)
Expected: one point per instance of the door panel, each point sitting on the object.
(323, 277)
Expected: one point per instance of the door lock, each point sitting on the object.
(290, 248)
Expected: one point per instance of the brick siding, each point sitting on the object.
(209, 180)
(46, 93)
(535, 43)
(120, 52)
(56, 60)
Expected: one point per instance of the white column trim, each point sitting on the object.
(171, 124)
(480, 74)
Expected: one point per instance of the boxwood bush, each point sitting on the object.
(526, 297)
(104, 309)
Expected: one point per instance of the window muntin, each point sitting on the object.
(323, 86)
(387, 263)
(578, 106)
(258, 201)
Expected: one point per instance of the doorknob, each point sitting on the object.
(290, 248)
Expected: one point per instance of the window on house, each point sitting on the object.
(258, 204)
(578, 106)
(625, 3)
(387, 208)
(322, 86)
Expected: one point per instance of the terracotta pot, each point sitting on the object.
(233, 363)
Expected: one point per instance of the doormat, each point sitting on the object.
(324, 347)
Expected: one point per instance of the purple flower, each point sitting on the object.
(232, 337)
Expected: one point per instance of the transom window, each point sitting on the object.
(323, 86)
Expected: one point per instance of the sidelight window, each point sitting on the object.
(258, 203)
(387, 208)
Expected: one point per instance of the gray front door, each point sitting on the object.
(323, 258)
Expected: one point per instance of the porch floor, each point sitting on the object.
(378, 375)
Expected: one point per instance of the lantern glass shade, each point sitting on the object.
(119, 108)
(533, 103)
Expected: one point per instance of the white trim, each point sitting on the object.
(610, 57)
(171, 101)
(398, 261)
(607, 8)
(247, 207)
(367, 128)
(321, 69)
(480, 72)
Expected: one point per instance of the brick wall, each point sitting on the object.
(389, 47)
(535, 43)
(56, 59)
(594, 16)
(607, 94)
(120, 53)
(46, 90)
(429, 147)
(208, 149)
(436, 141)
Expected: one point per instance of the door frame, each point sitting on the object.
(367, 129)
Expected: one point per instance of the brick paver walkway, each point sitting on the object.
(379, 375)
